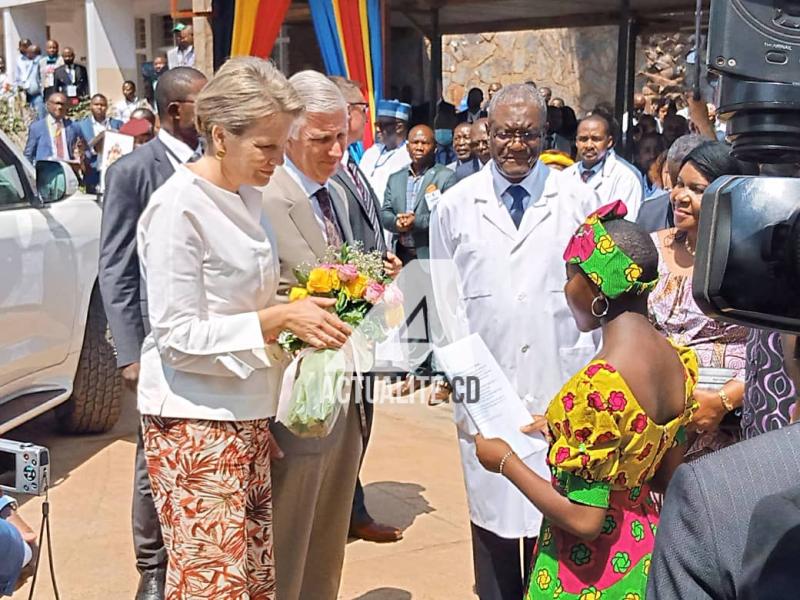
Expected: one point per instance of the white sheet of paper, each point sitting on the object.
(498, 411)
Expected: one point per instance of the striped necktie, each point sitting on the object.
(365, 199)
(334, 238)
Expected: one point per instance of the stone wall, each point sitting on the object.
(578, 64)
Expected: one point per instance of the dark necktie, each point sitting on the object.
(328, 217)
(586, 175)
(365, 199)
(517, 210)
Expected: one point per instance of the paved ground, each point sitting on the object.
(412, 478)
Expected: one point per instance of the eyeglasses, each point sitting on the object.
(526, 137)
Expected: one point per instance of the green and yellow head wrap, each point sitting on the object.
(596, 253)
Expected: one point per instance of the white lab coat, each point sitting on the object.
(617, 180)
(508, 286)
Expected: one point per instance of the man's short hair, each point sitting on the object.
(128, 81)
(515, 93)
(175, 85)
(99, 95)
(349, 88)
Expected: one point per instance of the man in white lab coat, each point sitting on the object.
(497, 240)
(599, 166)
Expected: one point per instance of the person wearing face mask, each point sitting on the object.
(496, 243)
(443, 126)
(719, 346)
(389, 156)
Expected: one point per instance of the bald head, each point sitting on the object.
(421, 148)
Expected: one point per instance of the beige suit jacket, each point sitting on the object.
(300, 239)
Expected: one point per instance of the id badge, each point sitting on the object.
(72, 91)
(432, 195)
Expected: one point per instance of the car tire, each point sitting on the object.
(95, 404)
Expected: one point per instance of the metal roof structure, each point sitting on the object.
(475, 16)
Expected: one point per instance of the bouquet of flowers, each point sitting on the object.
(318, 382)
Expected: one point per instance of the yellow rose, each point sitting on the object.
(591, 593)
(598, 281)
(605, 244)
(633, 272)
(297, 293)
(322, 280)
(543, 579)
(355, 288)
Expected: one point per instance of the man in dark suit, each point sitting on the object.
(129, 184)
(479, 141)
(704, 525)
(411, 195)
(54, 136)
(769, 564)
(474, 110)
(90, 127)
(656, 212)
(71, 79)
(364, 212)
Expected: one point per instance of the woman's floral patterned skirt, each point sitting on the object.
(612, 567)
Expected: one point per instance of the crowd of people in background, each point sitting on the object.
(238, 180)
(55, 86)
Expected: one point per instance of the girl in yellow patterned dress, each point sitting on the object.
(616, 427)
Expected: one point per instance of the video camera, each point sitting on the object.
(747, 267)
(24, 467)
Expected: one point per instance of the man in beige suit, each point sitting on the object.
(312, 485)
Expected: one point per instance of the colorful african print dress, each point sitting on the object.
(605, 450)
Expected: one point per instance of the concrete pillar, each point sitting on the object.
(22, 21)
(203, 37)
(111, 45)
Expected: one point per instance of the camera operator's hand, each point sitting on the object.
(698, 114)
(130, 375)
(710, 411)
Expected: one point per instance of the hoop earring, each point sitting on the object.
(600, 314)
(220, 154)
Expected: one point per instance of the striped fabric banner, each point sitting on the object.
(350, 39)
(246, 27)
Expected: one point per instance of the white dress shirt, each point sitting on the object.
(123, 108)
(507, 285)
(616, 179)
(378, 164)
(209, 261)
(51, 127)
(178, 152)
(180, 58)
(310, 187)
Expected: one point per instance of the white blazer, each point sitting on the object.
(508, 286)
(617, 180)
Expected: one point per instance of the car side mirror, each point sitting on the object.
(54, 181)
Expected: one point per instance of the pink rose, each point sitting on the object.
(374, 292)
(617, 401)
(347, 272)
(392, 295)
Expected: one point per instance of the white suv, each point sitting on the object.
(55, 348)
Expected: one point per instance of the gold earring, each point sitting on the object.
(220, 154)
